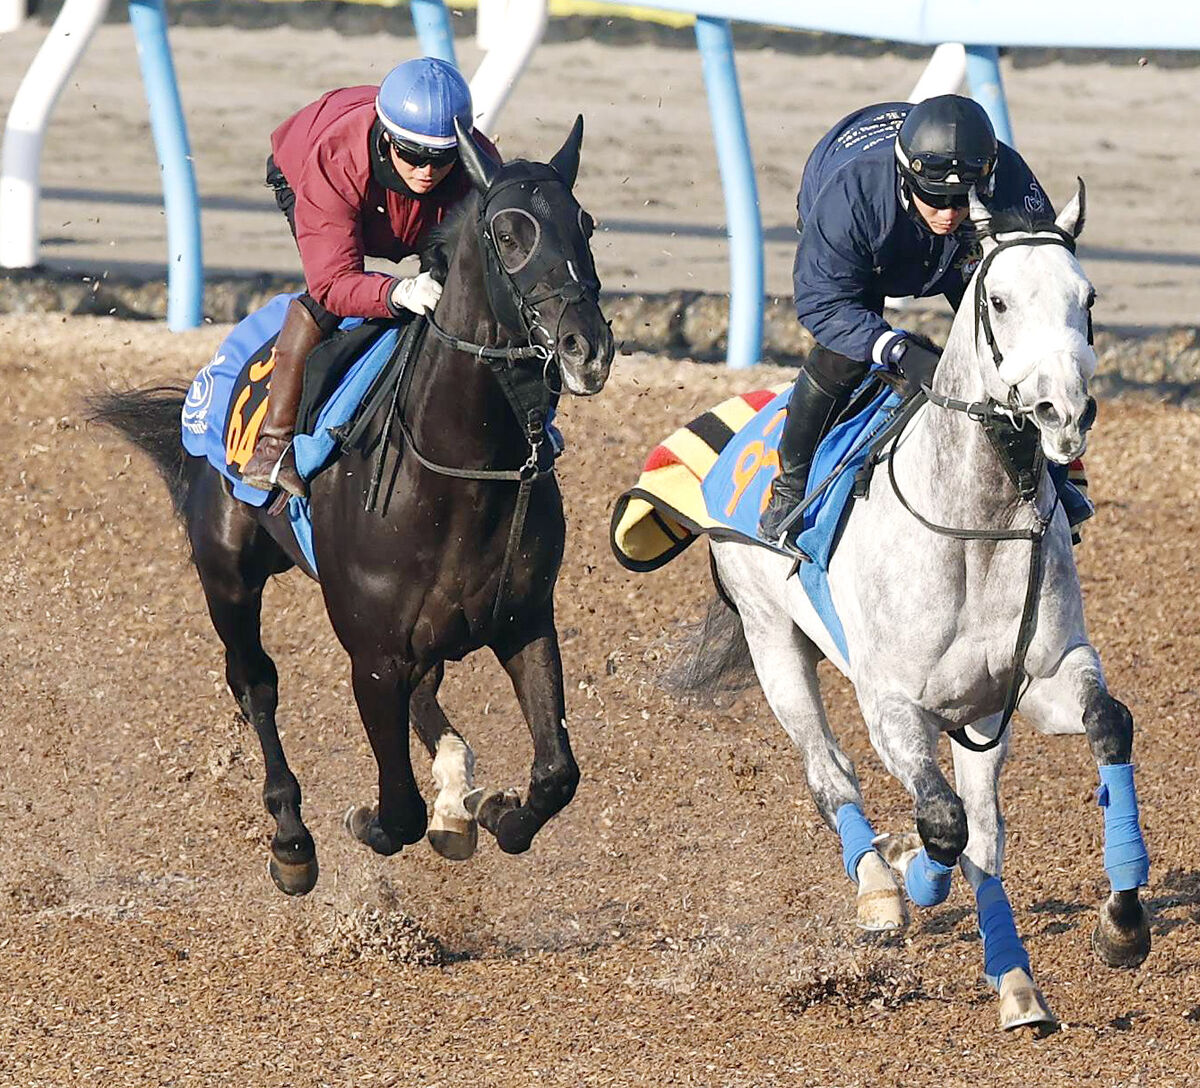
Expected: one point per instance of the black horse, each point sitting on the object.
(462, 550)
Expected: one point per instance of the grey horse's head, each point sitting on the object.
(1033, 324)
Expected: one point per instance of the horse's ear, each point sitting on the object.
(981, 220)
(566, 159)
(1072, 217)
(480, 166)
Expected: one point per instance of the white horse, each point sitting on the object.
(946, 629)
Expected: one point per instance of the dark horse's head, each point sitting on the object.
(537, 263)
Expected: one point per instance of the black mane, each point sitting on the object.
(439, 243)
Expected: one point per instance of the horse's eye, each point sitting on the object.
(998, 304)
(506, 239)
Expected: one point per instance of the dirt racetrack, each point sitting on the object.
(684, 922)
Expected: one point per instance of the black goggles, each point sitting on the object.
(942, 201)
(933, 167)
(416, 155)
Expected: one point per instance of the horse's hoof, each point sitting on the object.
(483, 804)
(1121, 945)
(881, 911)
(880, 903)
(1022, 1003)
(362, 822)
(898, 850)
(515, 830)
(357, 819)
(293, 879)
(453, 838)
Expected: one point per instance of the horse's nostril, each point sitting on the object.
(1046, 414)
(1089, 415)
(574, 346)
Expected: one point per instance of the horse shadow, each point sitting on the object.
(1177, 889)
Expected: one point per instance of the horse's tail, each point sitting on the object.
(715, 657)
(149, 418)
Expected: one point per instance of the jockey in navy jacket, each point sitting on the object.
(861, 240)
(883, 212)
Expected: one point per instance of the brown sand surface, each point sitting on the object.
(649, 169)
(684, 922)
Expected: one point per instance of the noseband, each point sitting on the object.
(511, 295)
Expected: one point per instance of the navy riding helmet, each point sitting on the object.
(418, 102)
(946, 145)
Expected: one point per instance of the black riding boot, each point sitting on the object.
(809, 412)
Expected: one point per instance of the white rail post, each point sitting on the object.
(944, 74)
(25, 130)
(512, 37)
(12, 14)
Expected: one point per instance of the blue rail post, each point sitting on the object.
(987, 88)
(715, 43)
(432, 22)
(185, 261)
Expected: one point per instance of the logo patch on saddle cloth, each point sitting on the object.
(248, 408)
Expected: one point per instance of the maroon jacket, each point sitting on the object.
(343, 213)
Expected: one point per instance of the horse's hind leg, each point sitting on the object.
(786, 663)
(234, 558)
(1005, 962)
(1075, 699)
(453, 832)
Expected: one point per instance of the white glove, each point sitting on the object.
(419, 294)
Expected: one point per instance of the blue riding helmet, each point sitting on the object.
(418, 101)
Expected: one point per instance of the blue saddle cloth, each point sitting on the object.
(735, 487)
(223, 409)
(226, 402)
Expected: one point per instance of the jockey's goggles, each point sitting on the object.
(941, 201)
(418, 156)
(941, 170)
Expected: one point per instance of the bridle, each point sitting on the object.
(1003, 424)
(531, 392)
(511, 295)
(1014, 411)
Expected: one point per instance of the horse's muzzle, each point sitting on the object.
(585, 359)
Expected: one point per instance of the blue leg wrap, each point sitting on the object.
(1002, 948)
(856, 834)
(927, 881)
(1125, 858)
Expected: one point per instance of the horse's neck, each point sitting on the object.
(952, 466)
(455, 407)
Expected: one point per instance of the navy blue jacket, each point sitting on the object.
(860, 242)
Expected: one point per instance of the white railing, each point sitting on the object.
(511, 30)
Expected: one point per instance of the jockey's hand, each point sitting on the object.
(419, 294)
(915, 362)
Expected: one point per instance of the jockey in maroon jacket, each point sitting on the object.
(361, 172)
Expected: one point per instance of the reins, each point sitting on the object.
(992, 415)
(530, 395)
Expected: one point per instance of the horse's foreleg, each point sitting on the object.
(1005, 961)
(785, 661)
(906, 741)
(452, 830)
(231, 555)
(534, 665)
(381, 689)
(1075, 699)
